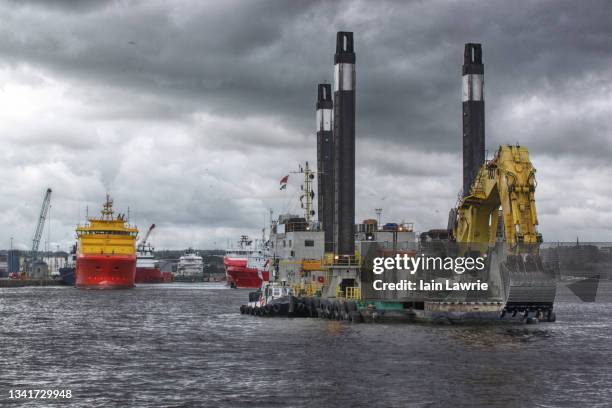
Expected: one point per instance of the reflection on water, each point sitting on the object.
(187, 345)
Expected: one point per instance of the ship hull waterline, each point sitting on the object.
(105, 271)
(239, 276)
(148, 275)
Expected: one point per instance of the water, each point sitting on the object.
(183, 345)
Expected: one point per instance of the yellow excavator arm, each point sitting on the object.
(507, 184)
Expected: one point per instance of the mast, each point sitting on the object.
(107, 211)
(308, 195)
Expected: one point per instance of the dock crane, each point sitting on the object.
(143, 241)
(39, 230)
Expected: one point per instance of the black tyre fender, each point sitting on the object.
(331, 310)
(323, 308)
(276, 308)
(308, 306)
(328, 309)
(338, 310)
(312, 308)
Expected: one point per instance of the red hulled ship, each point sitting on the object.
(246, 265)
(147, 267)
(106, 252)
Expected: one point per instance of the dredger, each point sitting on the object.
(324, 268)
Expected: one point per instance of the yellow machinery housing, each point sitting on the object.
(507, 184)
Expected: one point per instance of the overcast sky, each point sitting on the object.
(190, 112)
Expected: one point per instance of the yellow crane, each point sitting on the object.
(504, 185)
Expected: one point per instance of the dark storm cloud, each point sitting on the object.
(202, 84)
(64, 5)
(264, 58)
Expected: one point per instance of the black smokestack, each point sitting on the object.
(473, 114)
(325, 163)
(344, 144)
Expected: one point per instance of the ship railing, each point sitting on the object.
(350, 293)
(331, 260)
(353, 293)
(296, 289)
(312, 289)
(306, 289)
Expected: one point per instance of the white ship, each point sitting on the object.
(190, 264)
(145, 257)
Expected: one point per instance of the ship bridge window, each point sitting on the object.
(309, 242)
(104, 232)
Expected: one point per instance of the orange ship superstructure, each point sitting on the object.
(106, 252)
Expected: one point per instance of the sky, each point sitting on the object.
(190, 112)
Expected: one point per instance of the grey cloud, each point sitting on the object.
(143, 97)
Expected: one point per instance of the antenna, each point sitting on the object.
(271, 222)
(378, 215)
(309, 176)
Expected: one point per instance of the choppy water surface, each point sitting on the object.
(187, 345)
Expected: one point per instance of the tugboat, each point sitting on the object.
(272, 299)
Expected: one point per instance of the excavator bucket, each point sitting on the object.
(528, 286)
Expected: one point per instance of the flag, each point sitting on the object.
(283, 182)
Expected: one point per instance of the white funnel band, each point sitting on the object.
(473, 87)
(344, 77)
(324, 120)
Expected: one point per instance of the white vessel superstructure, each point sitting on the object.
(190, 264)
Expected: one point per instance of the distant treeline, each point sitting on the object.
(163, 253)
(175, 254)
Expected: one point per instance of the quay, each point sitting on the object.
(18, 283)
